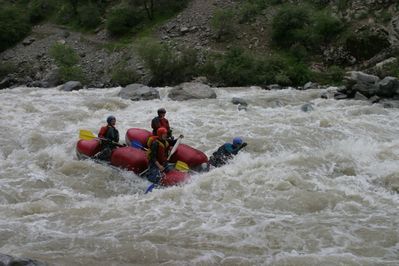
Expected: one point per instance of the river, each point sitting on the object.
(311, 188)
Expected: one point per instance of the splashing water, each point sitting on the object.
(311, 188)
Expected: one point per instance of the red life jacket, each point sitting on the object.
(164, 123)
(162, 152)
(103, 131)
(158, 122)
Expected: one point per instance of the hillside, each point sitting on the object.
(255, 42)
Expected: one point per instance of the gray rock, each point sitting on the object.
(239, 101)
(71, 86)
(390, 104)
(191, 90)
(184, 30)
(274, 87)
(375, 99)
(28, 41)
(310, 85)
(307, 107)
(7, 82)
(38, 84)
(388, 61)
(51, 78)
(361, 82)
(7, 260)
(388, 87)
(360, 97)
(137, 92)
(340, 96)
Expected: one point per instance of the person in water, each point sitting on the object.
(226, 152)
(158, 155)
(160, 121)
(109, 137)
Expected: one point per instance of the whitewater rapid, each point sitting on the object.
(311, 188)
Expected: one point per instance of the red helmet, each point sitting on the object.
(161, 131)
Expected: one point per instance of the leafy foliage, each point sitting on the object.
(123, 75)
(66, 59)
(167, 66)
(223, 24)
(14, 26)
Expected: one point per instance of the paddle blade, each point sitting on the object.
(86, 134)
(150, 188)
(136, 144)
(182, 166)
(174, 147)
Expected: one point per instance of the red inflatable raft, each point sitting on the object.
(135, 160)
(192, 157)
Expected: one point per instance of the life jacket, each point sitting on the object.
(162, 152)
(103, 131)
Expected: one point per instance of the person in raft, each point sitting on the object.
(109, 137)
(226, 152)
(157, 155)
(160, 121)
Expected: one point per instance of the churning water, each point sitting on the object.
(311, 188)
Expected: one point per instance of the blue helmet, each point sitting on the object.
(110, 118)
(237, 141)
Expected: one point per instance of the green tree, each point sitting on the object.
(14, 26)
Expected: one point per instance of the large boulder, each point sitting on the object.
(191, 90)
(388, 87)
(357, 81)
(7, 82)
(71, 86)
(138, 92)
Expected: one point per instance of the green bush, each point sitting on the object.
(122, 19)
(6, 68)
(250, 9)
(66, 59)
(122, 75)
(166, 65)
(223, 24)
(14, 26)
(304, 26)
(64, 13)
(240, 68)
(64, 55)
(325, 26)
(89, 16)
(333, 76)
(40, 9)
(68, 73)
(366, 43)
(289, 26)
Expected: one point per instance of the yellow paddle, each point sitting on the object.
(88, 135)
(182, 166)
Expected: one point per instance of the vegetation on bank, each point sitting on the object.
(118, 17)
(299, 34)
(67, 61)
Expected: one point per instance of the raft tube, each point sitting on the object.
(191, 156)
(137, 134)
